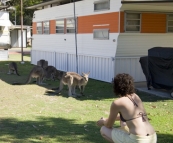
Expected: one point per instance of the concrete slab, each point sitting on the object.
(142, 87)
(18, 50)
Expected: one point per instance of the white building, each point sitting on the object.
(5, 25)
(111, 35)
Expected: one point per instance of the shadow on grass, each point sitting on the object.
(98, 90)
(48, 130)
(55, 130)
(27, 54)
(23, 70)
(94, 90)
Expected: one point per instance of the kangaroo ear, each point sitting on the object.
(82, 73)
(88, 73)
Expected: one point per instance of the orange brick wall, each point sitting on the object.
(153, 23)
(86, 23)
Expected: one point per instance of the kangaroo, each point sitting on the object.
(59, 74)
(42, 63)
(37, 72)
(50, 72)
(13, 68)
(73, 79)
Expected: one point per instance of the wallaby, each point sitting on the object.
(37, 72)
(73, 79)
(13, 68)
(42, 63)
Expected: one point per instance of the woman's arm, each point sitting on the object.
(109, 122)
(112, 116)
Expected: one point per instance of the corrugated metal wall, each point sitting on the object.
(101, 68)
(131, 66)
(47, 55)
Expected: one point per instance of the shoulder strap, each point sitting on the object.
(133, 101)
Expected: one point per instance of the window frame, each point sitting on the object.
(95, 38)
(70, 28)
(125, 23)
(41, 31)
(43, 28)
(167, 27)
(59, 29)
(99, 2)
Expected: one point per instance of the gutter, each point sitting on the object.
(43, 4)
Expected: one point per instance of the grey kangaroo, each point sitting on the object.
(73, 79)
(13, 68)
(37, 72)
(50, 72)
(42, 63)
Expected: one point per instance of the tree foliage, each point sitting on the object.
(27, 13)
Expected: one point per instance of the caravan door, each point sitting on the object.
(24, 38)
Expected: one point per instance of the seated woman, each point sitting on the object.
(129, 109)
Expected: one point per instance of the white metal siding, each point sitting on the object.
(138, 44)
(83, 8)
(47, 55)
(131, 66)
(101, 68)
(85, 44)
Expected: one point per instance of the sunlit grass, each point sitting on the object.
(31, 114)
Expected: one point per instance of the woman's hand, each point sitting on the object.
(101, 122)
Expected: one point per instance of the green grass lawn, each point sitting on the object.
(31, 114)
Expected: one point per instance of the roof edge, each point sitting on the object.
(146, 1)
(43, 4)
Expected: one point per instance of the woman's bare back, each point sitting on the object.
(133, 111)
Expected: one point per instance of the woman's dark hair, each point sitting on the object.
(123, 84)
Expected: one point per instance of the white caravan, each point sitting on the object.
(5, 25)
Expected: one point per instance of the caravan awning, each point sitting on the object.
(165, 6)
(5, 22)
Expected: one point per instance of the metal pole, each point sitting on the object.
(15, 16)
(75, 37)
(22, 30)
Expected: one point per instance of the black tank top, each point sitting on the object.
(140, 113)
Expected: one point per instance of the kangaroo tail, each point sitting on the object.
(17, 83)
(29, 78)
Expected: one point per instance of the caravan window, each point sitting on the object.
(39, 28)
(133, 22)
(101, 34)
(60, 26)
(46, 27)
(101, 5)
(170, 23)
(70, 25)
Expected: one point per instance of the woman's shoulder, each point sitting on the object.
(120, 101)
